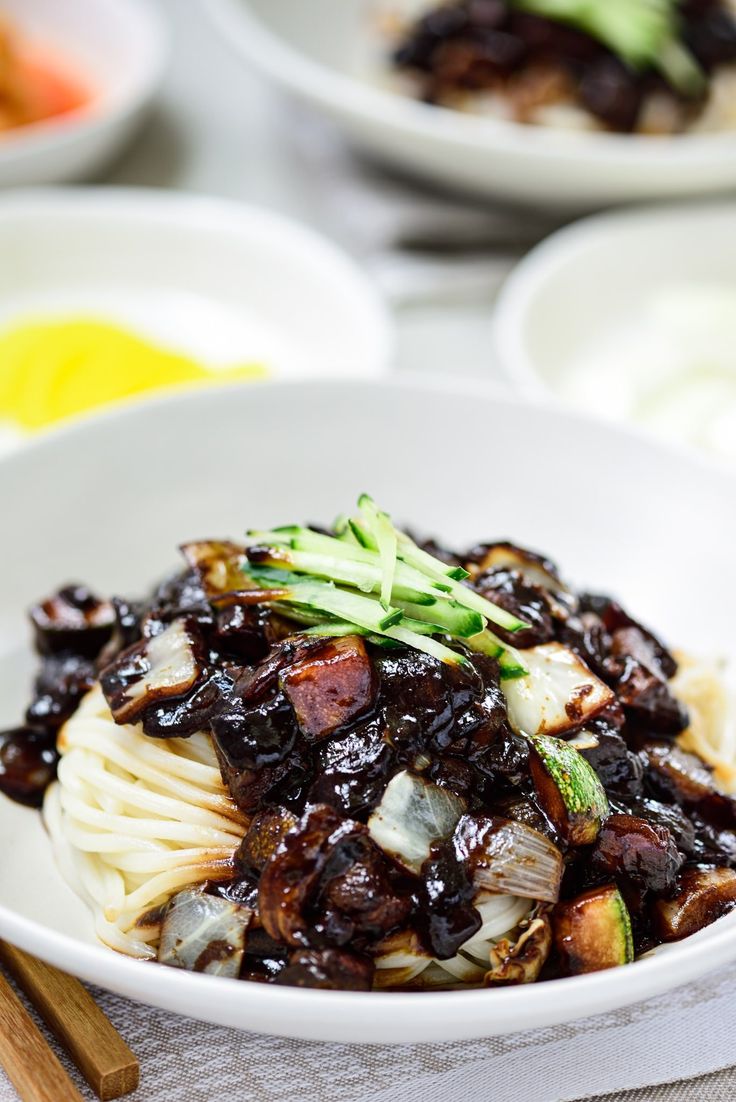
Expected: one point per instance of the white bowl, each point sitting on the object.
(219, 280)
(119, 48)
(109, 500)
(328, 53)
(587, 291)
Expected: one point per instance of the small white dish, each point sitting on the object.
(329, 53)
(118, 49)
(627, 315)
(217, 280)
(109, 499)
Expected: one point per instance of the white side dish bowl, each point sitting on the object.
(630, 316)
(331, 53)
(213, 279)
(119, 49)
(108, 500)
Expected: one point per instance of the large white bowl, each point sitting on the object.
(222, 281)
(109, 500)
(586, 285)
(328, 53)
(119, 48)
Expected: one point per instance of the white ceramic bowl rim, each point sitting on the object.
(56, 132)
(540, 266)
(325, 87)
(201, 212)
(558, 1000)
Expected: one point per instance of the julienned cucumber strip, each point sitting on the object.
(360, 610)
(510, 670)
(642, 33)
(420, 595)
(422, 560)
(364, 576)
(446, 616)
(304, 540)
(337, 630)
(383, 533)
(362, 535)
(363, 611)
(510, 661)
(417, 569)
(428, 645)
(485, 642)
(335, 560)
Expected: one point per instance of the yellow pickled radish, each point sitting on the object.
(51, 370)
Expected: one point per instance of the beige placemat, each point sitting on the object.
(686, 1033)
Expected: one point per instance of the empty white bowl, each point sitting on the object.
(330, 53)
(118, 49)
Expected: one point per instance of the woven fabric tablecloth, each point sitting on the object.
(685, 1033)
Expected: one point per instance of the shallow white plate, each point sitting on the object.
(329, 53)
(222, 281)
(109, 500)
(118, 48)
(580, 296)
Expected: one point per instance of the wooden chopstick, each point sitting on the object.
(32, 1067)
(77, 1022)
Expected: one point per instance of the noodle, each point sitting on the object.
(133, 820)
(708, 689)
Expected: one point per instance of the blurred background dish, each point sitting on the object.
(335, 54)
(646, 67)
(115, 292)
(631, 316)
(76, 79)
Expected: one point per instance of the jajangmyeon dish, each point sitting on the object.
(345, 759)
(642, 66)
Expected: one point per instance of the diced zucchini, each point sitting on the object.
(593, 931)
(568, 789)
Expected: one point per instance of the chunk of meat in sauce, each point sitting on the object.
(327, 884)
(72, 621)
(702, 896)
(686, 780)
(619, 770)
(262, 838)
(446, 916)
(353, 770)
(635, 671)
(429, 705)
(643, 853)
(330, 687)
(328, 969)
(530, 603)
(28, 760)
(58, 688)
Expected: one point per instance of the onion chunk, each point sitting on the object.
(204, 933)
(558, 693)
(413, 813)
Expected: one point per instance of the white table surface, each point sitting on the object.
(218, 129)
